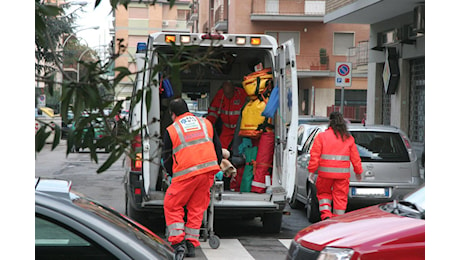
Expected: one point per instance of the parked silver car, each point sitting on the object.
(391, 169)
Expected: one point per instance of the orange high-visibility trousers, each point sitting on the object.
(193, 193)
(330, 191)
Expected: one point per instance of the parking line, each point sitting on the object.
(285, 242)
(228, 249)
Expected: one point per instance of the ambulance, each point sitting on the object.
(239, 55)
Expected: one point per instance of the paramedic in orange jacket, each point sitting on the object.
(331, 154)
(227, 104)
(191, 155)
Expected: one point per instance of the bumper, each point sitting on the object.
(371, 194)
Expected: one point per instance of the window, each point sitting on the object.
(380, 146)
(285, 36)
(138, 12)
(343, 41)
(182, 14)
(54, 241)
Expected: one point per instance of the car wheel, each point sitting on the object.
(293, 202)
(312, 206)
(272, 222)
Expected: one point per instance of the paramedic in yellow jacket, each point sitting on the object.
(192, 154)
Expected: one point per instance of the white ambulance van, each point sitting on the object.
(145, 183)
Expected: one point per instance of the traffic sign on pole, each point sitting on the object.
(343, 74)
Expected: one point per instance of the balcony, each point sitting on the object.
(312, 63)
(359, 56)
(288, 10)
(175, 25)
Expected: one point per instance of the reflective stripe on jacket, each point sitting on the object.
(331, 156)
(227, 109)
(193, 149)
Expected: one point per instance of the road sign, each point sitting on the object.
(343, 74)
(41, 101)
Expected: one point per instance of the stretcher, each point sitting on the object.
(207, 226)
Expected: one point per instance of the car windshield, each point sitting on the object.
(380, 146)
(110, 215)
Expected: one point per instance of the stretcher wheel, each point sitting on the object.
(214, 241)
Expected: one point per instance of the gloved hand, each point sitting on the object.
(219, 176)
(312, 177)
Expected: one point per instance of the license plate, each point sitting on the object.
(370, 192)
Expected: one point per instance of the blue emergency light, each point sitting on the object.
(141, 47)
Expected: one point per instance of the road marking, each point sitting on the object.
(285, 242)
(228, 249)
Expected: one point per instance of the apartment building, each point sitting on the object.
(396, 67)
(318, 45)
(135, 23)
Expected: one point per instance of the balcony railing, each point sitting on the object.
(174, 25)
(288, 7)
(359, 55)
(306, 62)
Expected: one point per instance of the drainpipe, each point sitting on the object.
(313, 99)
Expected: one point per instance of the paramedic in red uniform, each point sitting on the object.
(227, 104)
(331, 154)
(191, 155)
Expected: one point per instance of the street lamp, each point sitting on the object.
(75, 34)
(80, 3)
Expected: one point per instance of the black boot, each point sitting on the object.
(190, 249)
(179, 250)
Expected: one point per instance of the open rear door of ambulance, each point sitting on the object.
(289, 113)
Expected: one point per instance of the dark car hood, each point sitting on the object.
(364, 228)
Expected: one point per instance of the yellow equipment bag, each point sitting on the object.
(251, 118)
(256, 82)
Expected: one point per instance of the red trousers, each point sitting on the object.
(226, 136)
(193, 193)
(332, 190)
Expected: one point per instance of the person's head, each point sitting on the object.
(229, 89)
(177, 107)
(338, 124)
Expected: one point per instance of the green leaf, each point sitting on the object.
(113, 157)
(57, 136)
(40, 138)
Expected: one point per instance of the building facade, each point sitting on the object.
(135, 23)
(318, 45)
(396, 67)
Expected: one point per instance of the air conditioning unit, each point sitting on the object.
(390, 37)
(165, 23)
(419, 19)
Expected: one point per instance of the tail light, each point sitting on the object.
(406, 141)
(136, 163)
(412, 154)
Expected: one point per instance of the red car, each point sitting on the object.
(394, 230)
